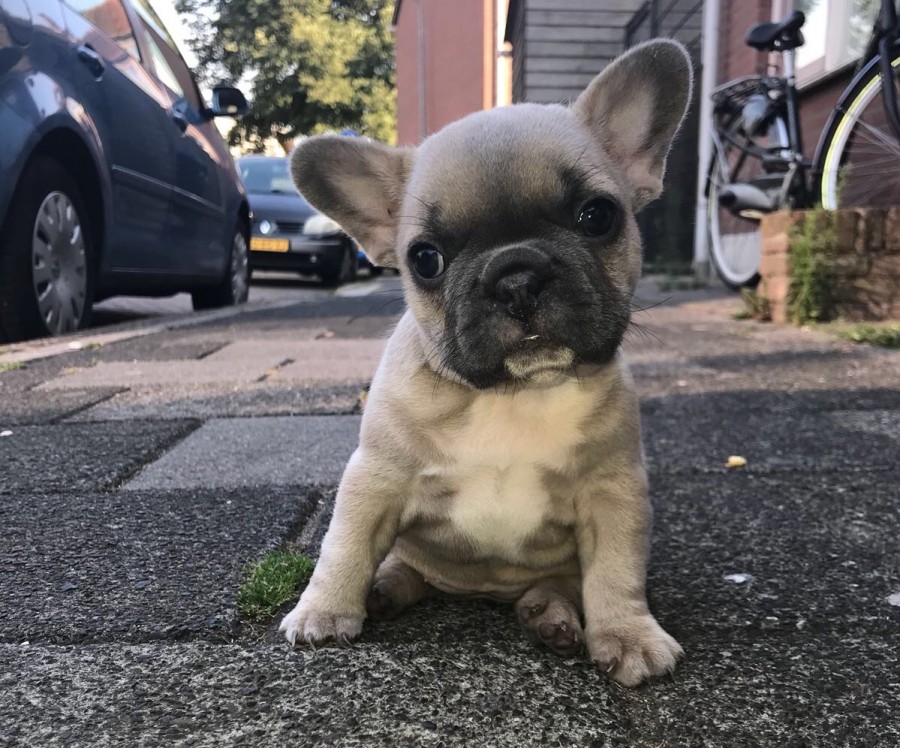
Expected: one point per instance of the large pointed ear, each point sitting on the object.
(359, 184)
(634, 108)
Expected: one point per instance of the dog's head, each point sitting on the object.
(514, 228)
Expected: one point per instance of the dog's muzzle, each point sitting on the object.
(515, 277)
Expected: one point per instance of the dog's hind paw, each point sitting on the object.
(317, 627)
(633, 650)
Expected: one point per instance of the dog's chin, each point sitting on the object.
(539, 365)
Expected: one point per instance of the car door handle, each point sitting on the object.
(180, 120)
(92, 60)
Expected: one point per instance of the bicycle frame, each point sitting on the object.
(797, 179)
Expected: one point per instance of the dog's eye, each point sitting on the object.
(598, 217)
(427, 261)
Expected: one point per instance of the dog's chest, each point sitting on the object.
(494, 483)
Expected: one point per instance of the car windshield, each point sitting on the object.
(267, 175)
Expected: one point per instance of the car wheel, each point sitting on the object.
(344, 272)
(46, 256)
(235, 286)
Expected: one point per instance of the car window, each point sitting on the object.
(110, 17)
(270, 175)
(170, 67)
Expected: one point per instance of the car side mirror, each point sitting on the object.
(228, 101)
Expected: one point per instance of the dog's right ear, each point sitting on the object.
(359, 184)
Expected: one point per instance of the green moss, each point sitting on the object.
(271, 582)
(812, 268)
(10, 366)
(884, 336)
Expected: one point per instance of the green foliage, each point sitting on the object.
(314, 65)
(812, 268)
(755, 307)
(271, 582)
(11, 365)
(884, 336)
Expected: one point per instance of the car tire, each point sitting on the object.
(234, 288)
(47, 255)
(344, 271)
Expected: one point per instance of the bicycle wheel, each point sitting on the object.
(735, 244)
(859, 158)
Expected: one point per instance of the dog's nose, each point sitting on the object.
(515, 277)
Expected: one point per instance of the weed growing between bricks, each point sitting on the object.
(812, 268)
(271, 582)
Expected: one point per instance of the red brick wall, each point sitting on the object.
(458, 64)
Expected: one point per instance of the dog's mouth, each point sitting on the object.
(537, 357)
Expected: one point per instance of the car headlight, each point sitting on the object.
(266, 227)
(319, 224)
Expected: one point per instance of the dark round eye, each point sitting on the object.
(598, 217)
(427, 261)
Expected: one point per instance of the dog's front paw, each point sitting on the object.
(307, 624)
(633, 649)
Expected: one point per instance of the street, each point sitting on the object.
(265, 287)
(142, 475)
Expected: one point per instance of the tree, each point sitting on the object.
(313, 65)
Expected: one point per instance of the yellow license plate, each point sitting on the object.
(258, 244)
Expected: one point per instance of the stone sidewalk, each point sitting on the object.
(137, 480)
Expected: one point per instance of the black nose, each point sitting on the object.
(515, 277)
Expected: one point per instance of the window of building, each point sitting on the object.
(836, 33)
(110, 17)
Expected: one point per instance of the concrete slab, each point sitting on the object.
(134, 566)
(265, 451)
(453, 674)
(144, 373)
(268, 398)
(773, 430)
(35, 407)
(82, 457)
(780, 552)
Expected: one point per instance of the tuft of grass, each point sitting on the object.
(271, 582)
(812, 268)
(755, 307)
(10, 366)
(884, 336)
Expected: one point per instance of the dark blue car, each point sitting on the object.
(113, 177)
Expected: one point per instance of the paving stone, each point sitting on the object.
(143, 373)
(82, 457)
(268, 398)
(35, 407)
(273, 451)
(773, 430)
(133, 565)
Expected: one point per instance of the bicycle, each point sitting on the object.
(758, 164)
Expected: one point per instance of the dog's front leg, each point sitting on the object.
(366, 515)
(623, 638)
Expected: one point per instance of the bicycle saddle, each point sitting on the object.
(777, 36)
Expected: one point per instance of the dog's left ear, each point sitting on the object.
(634, 108)
(359, 184)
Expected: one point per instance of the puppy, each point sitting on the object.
(500, 451)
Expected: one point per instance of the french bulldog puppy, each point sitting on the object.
(500, 450)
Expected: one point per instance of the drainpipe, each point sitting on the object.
(423, 122)
(709, 62)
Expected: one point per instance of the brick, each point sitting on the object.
(892, 230)
(846, 222)
(776, 244)
(774, 265)
(852, 265)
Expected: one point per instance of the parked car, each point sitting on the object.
(287, 232)
(113, 177)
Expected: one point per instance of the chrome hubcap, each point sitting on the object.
(239, 265)
(59, 264)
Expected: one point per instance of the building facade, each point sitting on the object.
(454, 58)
